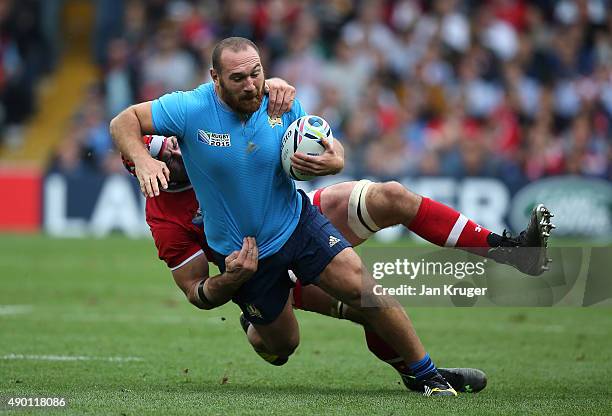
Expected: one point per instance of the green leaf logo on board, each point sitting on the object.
(582, 206)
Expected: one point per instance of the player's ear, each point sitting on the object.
(214, 76)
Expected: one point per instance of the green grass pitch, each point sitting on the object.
(97, 299)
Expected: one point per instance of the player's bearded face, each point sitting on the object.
(241, 101)
(241, 80)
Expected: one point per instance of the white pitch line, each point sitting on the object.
(165, 320)
(6, 310)
(68, 358)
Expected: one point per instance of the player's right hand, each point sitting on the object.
(151, 173)
(329, 162)
(243, 264)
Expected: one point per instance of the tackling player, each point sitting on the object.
(182, 245)
(231, 156)
(230, 147)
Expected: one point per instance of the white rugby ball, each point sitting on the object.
(304, 135)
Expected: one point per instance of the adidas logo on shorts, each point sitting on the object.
(333, 240)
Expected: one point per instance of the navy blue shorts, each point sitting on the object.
(311, 247)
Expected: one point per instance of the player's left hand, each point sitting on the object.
(281, 96)
(329, 162)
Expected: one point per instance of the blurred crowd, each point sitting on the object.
(511, 89)
(25, 56)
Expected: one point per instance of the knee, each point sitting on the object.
(399, 200)
(395, 193)
(352, 290)
(287, 347)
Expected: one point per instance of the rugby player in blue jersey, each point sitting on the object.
(181, 243)
(230, 147)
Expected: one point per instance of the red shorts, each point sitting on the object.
(178, 245)
(177, 239)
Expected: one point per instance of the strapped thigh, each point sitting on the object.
(358, 217)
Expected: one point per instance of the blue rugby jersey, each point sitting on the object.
(234, 166)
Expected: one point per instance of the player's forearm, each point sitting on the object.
(126, 132)
(218, 290)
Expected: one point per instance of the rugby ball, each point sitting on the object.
(304, 135)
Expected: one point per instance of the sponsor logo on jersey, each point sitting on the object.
(333, 240)
(214, 139)
(276, 121)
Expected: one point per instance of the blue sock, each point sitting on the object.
(423, 369)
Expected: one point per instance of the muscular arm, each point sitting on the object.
(218, 289)
(126, 130)
(189, 276)
(128, 127)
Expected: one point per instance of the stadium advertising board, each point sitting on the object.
(20, 191)
(96, 205)
(93, 205)
(582, 206)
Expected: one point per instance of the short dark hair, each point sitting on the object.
(236, 44)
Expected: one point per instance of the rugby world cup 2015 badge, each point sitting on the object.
(214, 139)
